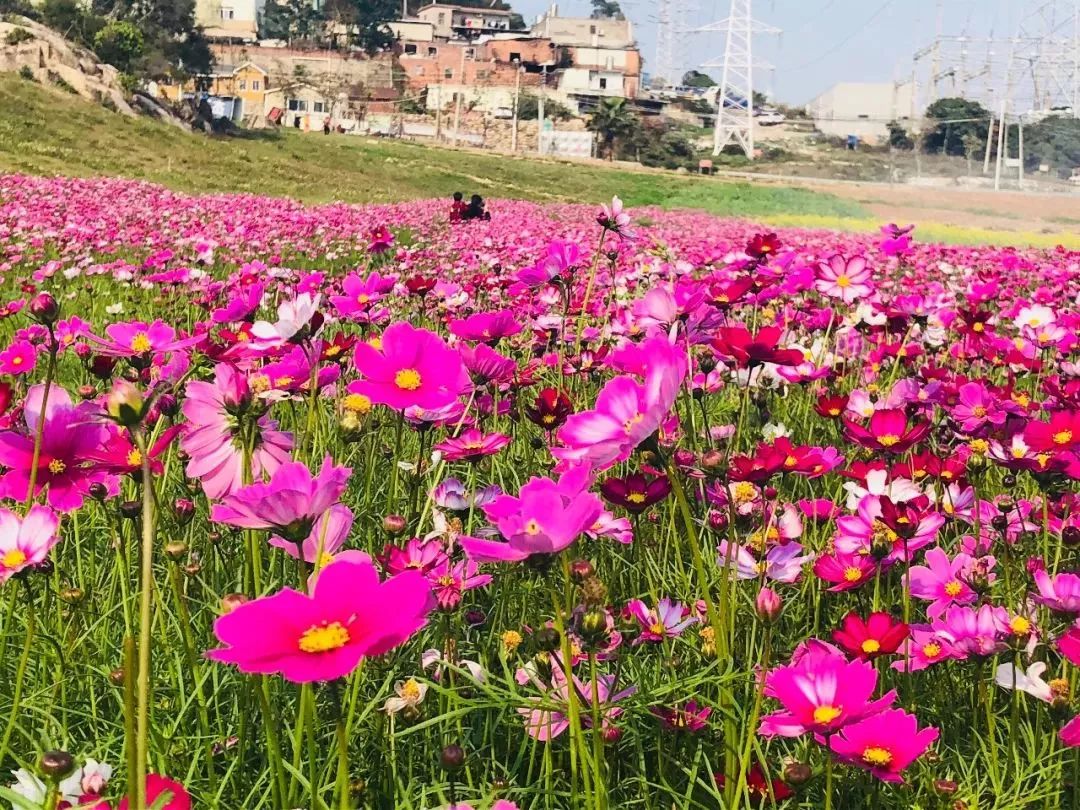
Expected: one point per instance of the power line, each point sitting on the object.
(881, 10)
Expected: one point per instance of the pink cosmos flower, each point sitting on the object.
(213, 442)
(942, 581)
(418, 554)
(328, 535)
(486, 327)
(1062, 593)
(295, 320)
(665, 621)
(979, 632)
(783, 563)
(690, 718)
(887, 431)
(472, 445)
(866, 531)
(884, 744)
(162, 787)
(977, 407)
(626, 412)
(19, 358)
(545, 724)
(614, 218)
(821, 691)
(450, 581)
(289, 504)
(138, 339)
(845, 279)
(71, 435)
(241, 305)
(847, 571)
(924, 648)
(25, 541)
(411, 368)
(544, 518)
(349, 616)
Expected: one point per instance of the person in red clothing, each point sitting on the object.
(457, 207)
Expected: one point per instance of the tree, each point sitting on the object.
(1054, 141)
(373, 34)
(899, 138)
(695, 78)
(275, 22)
(957, 119)
(119, 44)
(612, 120)
(606, 10)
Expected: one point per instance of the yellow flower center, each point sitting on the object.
(408, 379)
(978, 327)
(532, 527)
(834, 411)
(445, 580)
(357, 403)
(877, 756)
(852, 574)
(979, 446)
(324, 638)
(363, 298)
(636, 497)
(376, 343)
(657, 629)
(140, 343)
(16, 360)
(871, 646)
(979, 411)
(134, 458)
(13, 559)
(632, 422)
(325, 559)
(410, 690)
(548, 418)
(843, 281)
(931, 650)
(1020, 626)
(888, 440)
(1063, 437)
(744, 492)
(511, 639)
(56, 466)
(283, 382)
(953, 588)
(826, 714)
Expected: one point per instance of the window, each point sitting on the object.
(242, 84)
(318, 106)
(255, 84)
(410, 50)
(296, 105)
(432, 52)
(226, 13)
(442, 18)
(864, 116)
(603, 84)
(448, 73)
(470, 53)
(515, 56)
(481, 75)
(592, 29)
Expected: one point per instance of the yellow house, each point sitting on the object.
(247, 81)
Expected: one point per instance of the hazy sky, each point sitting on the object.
(823, 41)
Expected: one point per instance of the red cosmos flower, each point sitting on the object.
(338, 349)
(551, 409)
(831, 407)
(880, 634)
(749, 350)
(637, 492)
(845, 571)
(472, 445)
(5, 396)
(690, 717)
(974, 322)
(420, 285)
(762, 246)
(1062, 432)
(888, 431)
(759, 788)
(724, 294)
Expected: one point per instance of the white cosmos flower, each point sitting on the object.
(1006, 675)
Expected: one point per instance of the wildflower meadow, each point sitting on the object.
(575, 507)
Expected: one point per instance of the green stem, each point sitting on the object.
(39, 436)
(146, 588)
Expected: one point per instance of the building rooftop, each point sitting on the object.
(470, 9)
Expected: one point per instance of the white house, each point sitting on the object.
(230, 19)
(863, 109)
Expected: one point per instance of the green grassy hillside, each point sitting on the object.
(46, 131)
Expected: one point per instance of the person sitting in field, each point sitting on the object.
(457, 207)
(475, 209)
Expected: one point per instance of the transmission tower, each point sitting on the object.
(1043, 68)
(735, 101)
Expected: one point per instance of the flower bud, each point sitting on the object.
(98, 491)
(55, 765)
(168, 405)
(184, 510)
(72, 596)
(86, 392)
(945, 786)
(593, 627)
(232, 601)
(548, 639)
(581, 570)
(101, 366)
(44, 309)
(712, 459)
(797, 773)
(1070, 535)
(131, 509)
(475, 617)
(611, 734)
(394, 524)
(452, 758)
(769, 604)
(125, 404)
(176, 549)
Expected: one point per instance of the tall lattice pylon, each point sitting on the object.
(735, 101)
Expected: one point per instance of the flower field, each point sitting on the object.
(343, 507)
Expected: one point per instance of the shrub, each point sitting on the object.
(17, 36)
(119, 44)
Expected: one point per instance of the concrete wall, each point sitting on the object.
(328, 68)
(585, 31)
(861, 108)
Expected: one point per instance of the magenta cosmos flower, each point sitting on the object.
(472, 445)
(19, 358)
(884, 744)
(349, 616)
(544, 518)
(845, 279)
(25, 541)
(821, 691)
(667, 620)
(486, 327)
(1060, 593)
(137, 339)
(289, 504)
(888, 431)
(71, 435)
(218, 414)
(408, 368)
(627, 412)
(942, 580)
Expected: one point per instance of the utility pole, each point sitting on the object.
(459, 94)
(1020, 162)
(1001, 148)
(989, 141)
(517, 95)
(438, 111)
(540, 111)
(735, 101)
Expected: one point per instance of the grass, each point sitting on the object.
(44, 131)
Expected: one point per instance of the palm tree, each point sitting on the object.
(611, 120)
